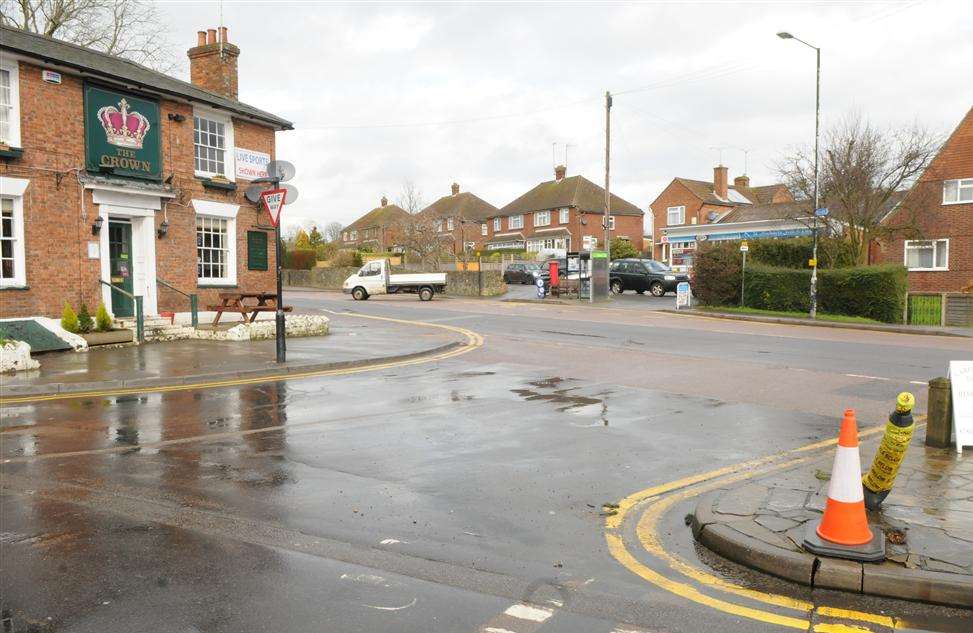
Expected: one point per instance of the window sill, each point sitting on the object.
(949, 204)
(927, 270)
(201, 284)
(11, 153)
(14, 286)
(209, 183)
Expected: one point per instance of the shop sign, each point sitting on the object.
(251, 165)
(121, 134)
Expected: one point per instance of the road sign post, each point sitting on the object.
(744, 248)
(273, 202)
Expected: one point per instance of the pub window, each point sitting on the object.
(215, 250)
(9, 103)
(213, 145)
(11, 242)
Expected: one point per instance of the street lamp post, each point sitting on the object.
(817, 123)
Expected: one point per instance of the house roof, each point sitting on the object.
(461, 205)
(573, 191)
(800, 209)
(379, 216)
(703, 189)
(111, 68)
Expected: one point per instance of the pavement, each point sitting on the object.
(463, 493)
(352, 342)
(927, 520)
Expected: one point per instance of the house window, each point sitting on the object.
(927, 254)
(496, 224)
(449, 224)
(483, 229)
(542, 218)
(515, 222)
(9, 103)
(438, 224)
(354, 236)
(213, 144)
(675, 215)
(564, 215)
(958, 191)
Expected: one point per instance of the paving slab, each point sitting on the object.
(761, 524)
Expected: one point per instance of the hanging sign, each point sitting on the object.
(961, 378)
(273, 202)
(121, 134)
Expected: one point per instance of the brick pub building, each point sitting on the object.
(112, 172)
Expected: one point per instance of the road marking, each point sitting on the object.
(405, 606)
(518, 618)
(695, 485)
(525, 612)
(473, 341)
(868, 377)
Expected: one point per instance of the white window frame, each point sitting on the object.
(564, 216)
(354, 236)
(922, 244)
(511, 225)
(449, 224)
(13, 189)
(229, 146)
(542, 218)
(496, 224)
(438, 225)
(961, 185)
(611, 223)
(483, 229)
(13, 67)
(681, 210)
(228, 212)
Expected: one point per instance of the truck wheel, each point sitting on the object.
(657, 289)
(359, 294)
(425, 293)
(616, 287)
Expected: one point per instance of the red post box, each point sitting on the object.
(552, 269)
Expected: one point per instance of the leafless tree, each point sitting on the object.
(411, 198)
(133, 29)
(863, 173)
(417, 234)
(332, 231)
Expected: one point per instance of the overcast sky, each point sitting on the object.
(477, 93)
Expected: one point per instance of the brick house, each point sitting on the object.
(111, 172)
(375, 229)
(685, 202)
(558, 215)
(940, 205)
(461, 219)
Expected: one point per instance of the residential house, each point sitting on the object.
(561, 215)
(461, 219)
(377, 229)
(686, 203)
(940, 207)
(116, 179)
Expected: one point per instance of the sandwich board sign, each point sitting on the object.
(273, 201)
(961, 378)
(683, 295)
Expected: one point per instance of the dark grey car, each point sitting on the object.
(643, 274)
(521, 273)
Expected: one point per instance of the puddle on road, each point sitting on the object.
(547, 390)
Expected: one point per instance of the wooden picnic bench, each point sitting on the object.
(238, 302)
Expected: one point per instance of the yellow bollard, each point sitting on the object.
(880, 478)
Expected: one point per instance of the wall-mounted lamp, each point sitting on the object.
(178, 118)
(168, 180)
(163, 229)
(96, 227)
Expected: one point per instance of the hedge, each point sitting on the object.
(300, 259)
(874, 292)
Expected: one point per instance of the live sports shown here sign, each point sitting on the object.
(961, 377)
(121, 133)
(251, 165)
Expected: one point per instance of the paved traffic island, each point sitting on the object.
(927, 519)
(353, 341)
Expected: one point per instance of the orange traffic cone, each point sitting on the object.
(843, 531)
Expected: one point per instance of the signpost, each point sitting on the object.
(818, 213)
(961, 377)
(744, 248)
(273, 201)
(683, 295)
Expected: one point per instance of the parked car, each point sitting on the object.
(643, 274)
(517, 273)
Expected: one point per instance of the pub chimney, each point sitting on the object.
(213, 63)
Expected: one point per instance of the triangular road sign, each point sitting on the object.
(273, 201)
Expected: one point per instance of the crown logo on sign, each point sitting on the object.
(123, 128)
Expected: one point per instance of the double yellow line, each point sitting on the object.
(653, 503)
(472, 341)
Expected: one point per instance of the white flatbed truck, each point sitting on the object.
(374, 278)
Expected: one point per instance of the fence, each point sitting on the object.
(949, 309)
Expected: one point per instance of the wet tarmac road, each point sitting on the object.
(423, 498)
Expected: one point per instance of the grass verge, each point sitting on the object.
(836, 318)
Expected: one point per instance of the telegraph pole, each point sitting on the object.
(608, 127)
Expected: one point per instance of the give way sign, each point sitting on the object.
(273, 201)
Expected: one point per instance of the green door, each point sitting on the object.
(120, 266)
